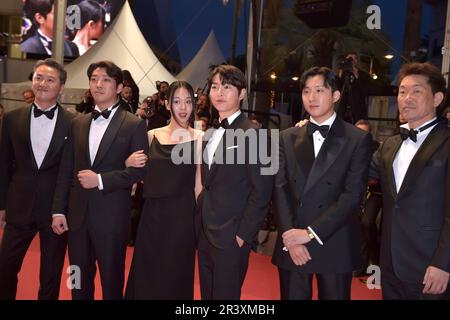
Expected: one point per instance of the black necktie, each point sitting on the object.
(38, 112)
(312, 127)
(412, 133)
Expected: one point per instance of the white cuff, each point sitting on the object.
(100, 182)
(315, 236)
(58, 215)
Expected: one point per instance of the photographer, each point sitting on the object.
(354, 84)
(150, 111)
(87, 104)
(126, 98)
(163, 87)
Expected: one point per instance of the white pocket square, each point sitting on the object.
(233, 147)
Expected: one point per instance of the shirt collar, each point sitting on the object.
(109, 109)
(44, 37)
(233, 117)
(37, 106)
(421, 133)
(328, 122)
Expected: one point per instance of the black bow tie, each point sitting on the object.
(412, 133)
(38, 112)
(405, 134)
(105, 113)
(312, 127)
(224, 124)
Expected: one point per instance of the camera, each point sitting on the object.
(346, 65)
(149, 108)
(162, 96)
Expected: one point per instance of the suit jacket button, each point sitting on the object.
(300, 204)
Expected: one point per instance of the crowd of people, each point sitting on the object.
(188, 167)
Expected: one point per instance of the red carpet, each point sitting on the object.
(261, 282)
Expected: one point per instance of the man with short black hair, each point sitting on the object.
(126, 96)
(318, 188)
(33, 140)
(414, 172)
(93, 199)
(235, 198)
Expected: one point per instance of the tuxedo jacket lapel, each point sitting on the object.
(390, 150)
(219, 153)
(26, 118)
(329, 152)
(213, 166)
(304, 153)
(58, 136)
(221, 148)
(205, 167)
(432, 142)
(109, 135)
(85, 127)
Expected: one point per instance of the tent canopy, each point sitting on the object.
(124, 44)
(197, 71)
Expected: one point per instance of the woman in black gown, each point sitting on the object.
(164, 254)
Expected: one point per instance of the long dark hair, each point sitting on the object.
(91, 10)
(174, 86)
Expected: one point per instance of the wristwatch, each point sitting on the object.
(310, 234)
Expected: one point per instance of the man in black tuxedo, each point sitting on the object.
(32, 144)
(93, 193)
(127, 98)
(41, 13)
(318, 188)
(235, 198)
(414, 172)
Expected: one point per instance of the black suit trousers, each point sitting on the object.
(371, 246)
(88, 246)
(222, 271)
(15, 243)
(298, 286)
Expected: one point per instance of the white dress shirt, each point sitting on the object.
(45, 41)
(213, 143)
(41, 133)
(96, 132)
(406, 153)
(317, 137)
